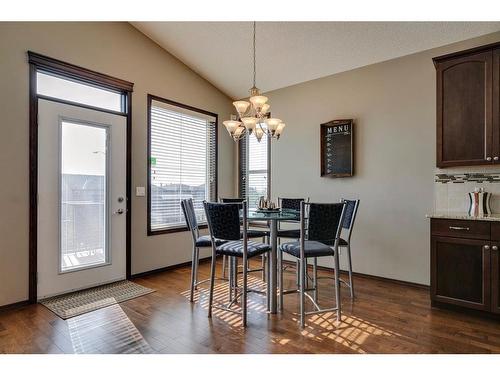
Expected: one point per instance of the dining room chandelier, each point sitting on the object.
(253, 115)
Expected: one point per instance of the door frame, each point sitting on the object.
(38, 62)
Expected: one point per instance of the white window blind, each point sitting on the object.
(254, 178)
(182, 163)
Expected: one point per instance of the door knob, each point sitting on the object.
(488, 158)
(486, 247)
(494, 248)
(119, 211)
(495, 158)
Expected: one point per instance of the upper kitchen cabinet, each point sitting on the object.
(465, 134)
(468, 107)
(496, 103)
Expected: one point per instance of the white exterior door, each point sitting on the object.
(81, 198)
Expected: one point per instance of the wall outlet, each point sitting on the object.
(140, 191)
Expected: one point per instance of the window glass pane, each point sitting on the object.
(257, 170)
(182, 164)
(83, 196)
(65, 89)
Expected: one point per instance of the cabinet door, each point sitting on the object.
(460, 272)
(495, 278)
(464, 110)
(496, 106)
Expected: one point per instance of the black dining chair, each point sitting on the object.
(224, 225)
(351, 211)
(251, 233)
(290, 204)
(198, 241)
(324, 224)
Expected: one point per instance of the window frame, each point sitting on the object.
(150, 99)
(243, 170)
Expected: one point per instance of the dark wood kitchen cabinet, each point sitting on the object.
(468, 101)
(465, 264)
(495, 278)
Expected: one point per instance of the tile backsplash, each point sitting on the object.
(450, 190)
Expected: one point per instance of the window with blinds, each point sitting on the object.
(182, 163)
(254, 172)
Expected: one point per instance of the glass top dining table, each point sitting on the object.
(272, 218)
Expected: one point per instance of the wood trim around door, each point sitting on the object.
(43, 63)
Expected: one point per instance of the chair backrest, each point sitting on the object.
(189, 214)
(324, 221)
(291, 203)
(224, 220)
(351, 210)
(232, 200)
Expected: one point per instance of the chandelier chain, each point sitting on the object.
(254, 59)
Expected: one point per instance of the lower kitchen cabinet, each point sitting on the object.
(465, 264)
(461, 272)
(495, 278)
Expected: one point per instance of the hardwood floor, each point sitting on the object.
(385, 318)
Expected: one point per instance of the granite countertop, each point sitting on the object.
(462, 216)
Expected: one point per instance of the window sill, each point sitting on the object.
(172, 230)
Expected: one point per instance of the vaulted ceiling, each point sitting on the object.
(292, 52)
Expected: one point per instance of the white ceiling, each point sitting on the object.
(294, 52)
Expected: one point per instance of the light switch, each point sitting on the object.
(140, 191)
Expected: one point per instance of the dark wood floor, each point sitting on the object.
(384, 318)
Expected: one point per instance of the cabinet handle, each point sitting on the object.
(488, 158)
(495, 158)
(494, 248)
(486, 247)
(459, 228)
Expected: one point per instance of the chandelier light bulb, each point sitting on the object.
(265, 108)
(272, 124)
(259, 133)
(258, 101)
(241, 106)
(238, 133)
(231, 126)
(279, 129)
(250, 123)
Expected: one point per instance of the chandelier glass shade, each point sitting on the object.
(253, 115)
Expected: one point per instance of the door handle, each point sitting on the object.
(459, 228)
(120, 211)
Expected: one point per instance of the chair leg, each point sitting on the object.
(297, 273)
(230, 281)
(268, 277)
(235, 275)
(280, 279)
(263, 266)
(193, 275)
(212, 282)
(268, 283)
(244, 293)
(315, 279)
(337, 285)
(350, 270)
(224, 260)
(302, 291)
(197, 266)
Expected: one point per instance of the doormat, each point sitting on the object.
(84, 301)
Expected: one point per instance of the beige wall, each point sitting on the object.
(119, 50)
(393, 105)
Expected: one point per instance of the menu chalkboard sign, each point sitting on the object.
(337, 148)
